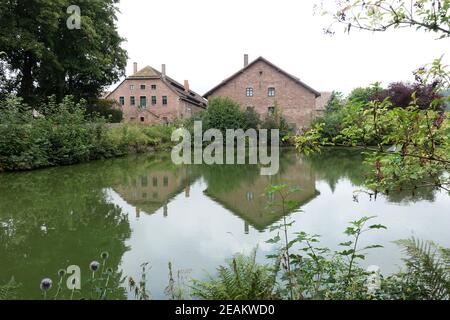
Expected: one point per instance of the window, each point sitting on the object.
(250, 196)
(144, 181)
(155, 181)
(153, 86)
(164, 100)
(271, 92)
(142, 86)
(166, 181)
(249, 92)
(131, 87)
(250, 108)
(271, 110)
(142, 119)
(143, 102)
(153, 100)
(122, 101)
(132, 101)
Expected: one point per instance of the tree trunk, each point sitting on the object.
(26, 83)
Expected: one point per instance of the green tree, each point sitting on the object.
(223, 114)
(412, 148)
(44, 57)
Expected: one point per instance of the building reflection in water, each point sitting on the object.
(154, 189)
(240, 189)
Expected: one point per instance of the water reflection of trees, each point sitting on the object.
(334, 164)
(53, 218)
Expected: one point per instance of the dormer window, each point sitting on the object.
(249, 92)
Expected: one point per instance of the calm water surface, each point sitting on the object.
(145, 209)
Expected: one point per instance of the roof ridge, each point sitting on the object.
(261, 58)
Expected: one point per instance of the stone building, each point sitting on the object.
(151, 97)
(261, 85)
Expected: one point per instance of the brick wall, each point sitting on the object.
(152, 114)
(295, 101)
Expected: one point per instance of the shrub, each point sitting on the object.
(275, 120)
(62, 135)
(105, 109)
(251, 119)
(400, 94)
(241, 279)
(223, 114)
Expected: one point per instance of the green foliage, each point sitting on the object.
(140, 289)
(44, 57)
(303, 269)
(63, 135)
(223, 114)
(8, 290)
(364, 95)
(427, 274)
(105, 109)
(310, 271)
(312, 140)
(276, 120)
(241, 279)
(405, 147)
(251, 119)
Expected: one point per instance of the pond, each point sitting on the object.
(145, 209)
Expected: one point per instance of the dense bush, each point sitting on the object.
(223, 114)
(105, 109)
(400, 94)
(334, 115)
(64, 135)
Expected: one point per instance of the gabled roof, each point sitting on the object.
(297, 80)
(151, 73)
(147, 72)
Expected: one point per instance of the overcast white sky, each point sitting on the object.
(204, 41)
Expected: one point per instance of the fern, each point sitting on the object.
(9, 290)
(241, 279)
(428, 269)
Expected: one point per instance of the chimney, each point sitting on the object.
(186, 85)
(245, 60)
(163, 70)
(135, 67)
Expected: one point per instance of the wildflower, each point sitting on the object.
(94, 266)
(104, 255)
(61, 273)
(46, 284)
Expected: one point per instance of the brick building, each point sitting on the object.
(150, 96)
(261, 85)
